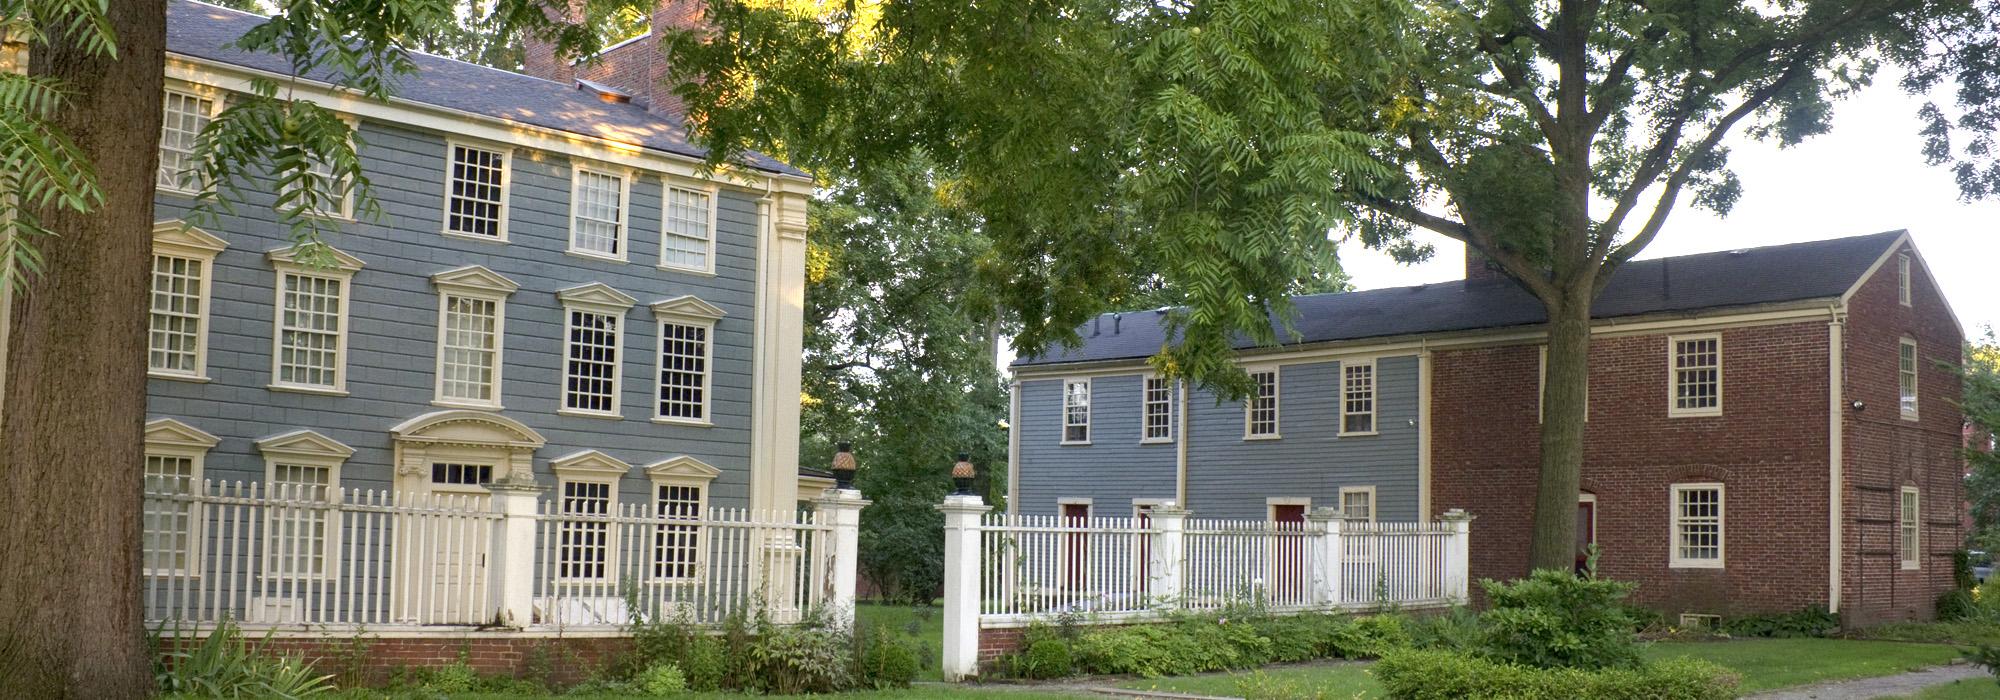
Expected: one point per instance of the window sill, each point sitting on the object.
(684, 421)
(595, 257)
(1368, 433)
(1254, 438)
(1074, 443)
(1157, 441)
(499, 239)
(704, 272)
(1695, 565)
(189, 378)
(176, 192)
(1912, 566)
(316, 390)
(579, 413)
(1716, 413)
(1911, 417)
(473, 405)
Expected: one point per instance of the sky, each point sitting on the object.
(1865, 176)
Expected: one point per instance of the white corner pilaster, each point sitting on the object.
(778, 336)
(961, 585)
(512, 576)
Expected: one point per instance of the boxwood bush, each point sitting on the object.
(1440, 675)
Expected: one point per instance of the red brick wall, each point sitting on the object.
(1885, 453)
(1769, 449)
(372, 660)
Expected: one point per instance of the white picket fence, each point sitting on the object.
(296, 558)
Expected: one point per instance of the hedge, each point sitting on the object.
(1438, 675)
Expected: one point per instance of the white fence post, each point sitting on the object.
(1458, 558)
(961, 584)
(1164, 562)
(1326, 562)
(842, 509)
(512, 575)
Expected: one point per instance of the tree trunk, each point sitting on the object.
(1564, 402)
(70, 428)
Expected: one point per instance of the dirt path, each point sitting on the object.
(1878, 687)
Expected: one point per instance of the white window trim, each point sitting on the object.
(1542, 389)
(1909, 413)
(1173, 412)
(624, 210)
(284, 263)
(686, 310)
(177, 239)
(1373, 507)
(346, 210)
(592, 467)
(1062, 436)
(1674, 560)
(1905, 287)
(596, 298)
(714, 205)
(216, 104)
(1916, 524)
(1590, 498)
(1673, 377)
(305, 448)
(689, 472)
(1277, 403)
(1374, 397)
(472, 282)
(451, 147)
(166, 437)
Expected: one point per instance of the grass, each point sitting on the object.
(1765, 664)
(922, 624)
(919, 693)
(1963, 633)
(1963, 689)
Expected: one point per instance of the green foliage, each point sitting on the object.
(1258, 686)
(1555, 619)
(1986, 656)
(224, 665)
(1455, 630)
(41, 167)
(1813, 621)
(1046, 658)
(704, 665)
(1209, 643)
(1440, 675)
(1956, 605)
(801, 659)
(661, 679)
(885, 660)
(1980, 389)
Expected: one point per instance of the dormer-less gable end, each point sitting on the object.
(304, 443)
(597, 296)
(687, 307)
(590, 462)
(474, 278)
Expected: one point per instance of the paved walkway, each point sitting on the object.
(1879, 687)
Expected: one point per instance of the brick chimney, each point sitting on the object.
(1477, 267)
(538, 57)
(636, 66)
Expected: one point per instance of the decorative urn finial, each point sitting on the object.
(961, 475)
(843, 466)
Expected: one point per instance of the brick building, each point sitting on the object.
(1769, 428)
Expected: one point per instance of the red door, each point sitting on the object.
(1288, 555)
(1077, 561)
(1586, 531)
(1143, 552)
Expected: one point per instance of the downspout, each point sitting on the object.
(1836, 406)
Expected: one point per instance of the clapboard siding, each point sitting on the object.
(1111, 471)
(1228, 477)
(393, 315)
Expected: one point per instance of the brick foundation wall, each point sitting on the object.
(1885, 453)
(1769, 449)
(371, 661)
(995, 643)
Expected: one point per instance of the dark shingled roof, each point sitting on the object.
(205, 31)
(1688, 283)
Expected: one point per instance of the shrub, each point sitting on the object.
(1961, 569)
(703, 664)
(661, 679)
(1438, 675)
(1046, 658)
(1987, 656)
(1555, 619)
(806, 658)
(885, 661)
(1813, 621)
(224, 665)
(1457, 630)
(1371, 637)
(1956, 605)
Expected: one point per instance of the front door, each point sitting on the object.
(442, 556)
(1288, 553)
(1586, 529)
(1076, 562)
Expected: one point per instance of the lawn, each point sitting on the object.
(921, 624)
(1966, 689)
(1766, 664)
(918, 693)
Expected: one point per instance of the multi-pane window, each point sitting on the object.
(1260, 413)
(677, 546)
(1357, 397)
(332, 198)
(1357, 505)
(583, 547)
(461, 474)
(1697, 375)
(1906, 378)
(476, 192)
(688, 230)
(186, 115)
(469, 350)
(597, 226)
(1903, 278)
(1697, 526)
(683, 367)
(174, 344)
(309, 330)
(300, 520)
(590, 374)
(1910, 523)
(167, 541)
(1159, 409)
(1076, 411)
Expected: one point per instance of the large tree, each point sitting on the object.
(1210, 143)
